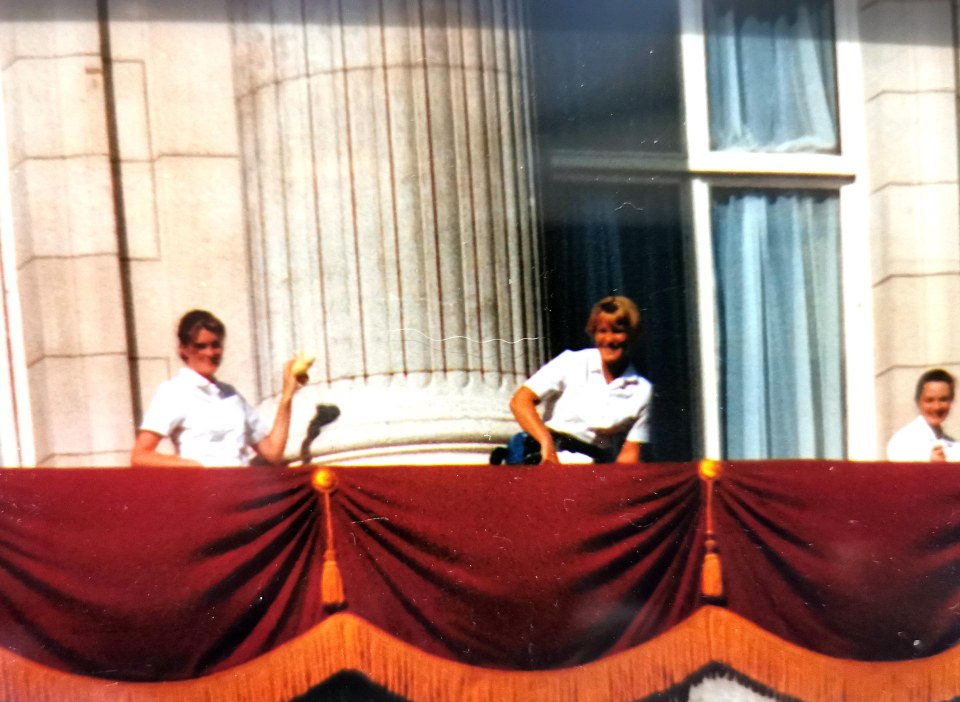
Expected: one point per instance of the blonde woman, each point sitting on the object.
(594, 403)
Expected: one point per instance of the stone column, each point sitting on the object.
(386, 162)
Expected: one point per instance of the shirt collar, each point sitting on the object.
(628, 377)
(194, 379)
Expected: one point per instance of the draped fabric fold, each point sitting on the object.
(164, 574)
(839, 580)
(853, 560)
(526, 569)
(155, 574)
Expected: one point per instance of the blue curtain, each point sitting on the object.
(625, 240)
(778, 279)
(771, 75)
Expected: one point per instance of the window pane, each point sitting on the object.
(625, 241)
(607, 74)
(778, 277)
(772, 75)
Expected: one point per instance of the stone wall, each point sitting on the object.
(910, 91)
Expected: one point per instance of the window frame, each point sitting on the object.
(844, 173)
(699, 170)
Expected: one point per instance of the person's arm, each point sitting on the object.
(630, 452)
(145, 454)
(524, 408)
(271, 447)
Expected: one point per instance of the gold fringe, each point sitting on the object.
(345, 642)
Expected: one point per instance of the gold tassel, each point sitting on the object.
(331, 585)
(711, 574)
(711, 577)
(331, 582)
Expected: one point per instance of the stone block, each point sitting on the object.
(915, 230)
(57, 107)
(56, 28)
(81, 405)
(109, 403)
(190, 115)
(907, 47)
(77, 306)
(29, 280)
(130, 93)
(913, 322)
(140, 210)
(912, 138)
(154, 321)
(129, 29)
(64, 207)
(7, 50)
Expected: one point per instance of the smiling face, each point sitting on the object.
(934, 402)
(204, 353)
(612, 340)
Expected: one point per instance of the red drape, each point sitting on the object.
(520, 568)
(155, 574)
(166, 574)
(854, 560)
(174, 574)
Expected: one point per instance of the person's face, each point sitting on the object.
(934, 403)
(204, 353)
(611, 340)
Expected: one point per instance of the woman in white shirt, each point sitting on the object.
(209, 422)
(595, 404)
(923, 439)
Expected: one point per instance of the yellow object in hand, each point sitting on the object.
(301, 364)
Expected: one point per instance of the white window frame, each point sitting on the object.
(17, 446)
(844, 172)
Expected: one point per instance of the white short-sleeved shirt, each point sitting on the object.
(577, 400)
(915, 442)
(209, 422)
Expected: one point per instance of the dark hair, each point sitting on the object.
(935, 375)
(623, 310)
(195, 320)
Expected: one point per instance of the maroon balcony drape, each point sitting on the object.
(162, 575)
(854, 560)
(170, 574)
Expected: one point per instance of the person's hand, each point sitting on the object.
(548, 454)
(938, 454)
(290, 382)
(301, 364)
(295, 372)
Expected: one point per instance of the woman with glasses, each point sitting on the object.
(209, 422)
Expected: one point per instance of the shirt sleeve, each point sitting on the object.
(165, 412)
(255, 426)
(551, 378)
(640, 431)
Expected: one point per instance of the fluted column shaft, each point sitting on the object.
(386, 161)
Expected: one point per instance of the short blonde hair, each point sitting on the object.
(623, 310)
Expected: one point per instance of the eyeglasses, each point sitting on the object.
(201, 347)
